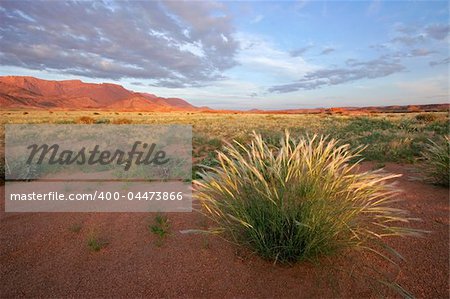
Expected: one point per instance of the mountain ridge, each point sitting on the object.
(17, 92)
(31, 92)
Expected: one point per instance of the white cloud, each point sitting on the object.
(261, 63)
(259, 54)
(174, 44)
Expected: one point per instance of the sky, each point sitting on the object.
(238, 54)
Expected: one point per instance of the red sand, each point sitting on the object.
(40, 256)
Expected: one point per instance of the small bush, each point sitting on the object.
(96, 244)
(102, 121)
(161, 228)
(300, 200)
(122, 121)
(426, 117)
(209, 161)
(85, 120)
(64, 121)
(437, 161)
(439, 127)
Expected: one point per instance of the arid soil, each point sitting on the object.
(42, 257)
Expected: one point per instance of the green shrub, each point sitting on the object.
(102, 121)
(64, 121)
(437, 161)
(209, 161)
(94, 243)
(440, 127)
(300, 200)
(426, 117)
(161, 228)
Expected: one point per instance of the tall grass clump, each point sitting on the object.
(437, 161)
(300, 200)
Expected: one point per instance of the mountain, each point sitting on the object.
(33, 93)
(169, 102)
(30, 92)
(363, 110)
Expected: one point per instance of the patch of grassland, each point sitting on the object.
(392, 137)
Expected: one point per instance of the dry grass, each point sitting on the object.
(437, 161)
(380, 131)
(301, 200)
(85, 120)
(122, 121)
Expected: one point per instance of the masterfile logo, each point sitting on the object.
(147, 156)
(98, 168)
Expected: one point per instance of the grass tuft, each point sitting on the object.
(161, 228)
(102, 121)
(437, 161)
(94, 243)
(300, 200)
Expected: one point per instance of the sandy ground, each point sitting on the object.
(41, 256)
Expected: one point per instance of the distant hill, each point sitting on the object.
(363, 110)
(30, 92)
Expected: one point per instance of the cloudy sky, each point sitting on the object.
(238, 55)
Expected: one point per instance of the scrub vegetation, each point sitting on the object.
(301, 200)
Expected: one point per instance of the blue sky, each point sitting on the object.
(238, 55)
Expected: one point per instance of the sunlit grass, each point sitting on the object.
(437, 161)
(380, 131)
(300, 200)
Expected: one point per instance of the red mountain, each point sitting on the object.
(30, 92)
(34, 93)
